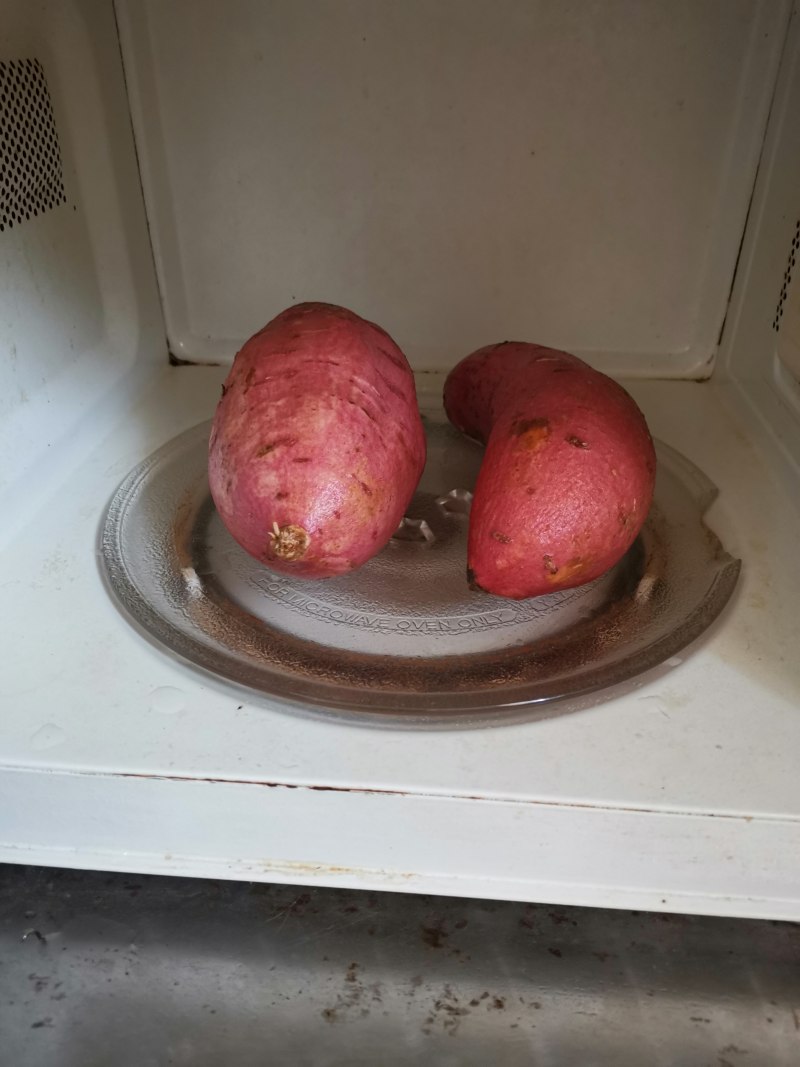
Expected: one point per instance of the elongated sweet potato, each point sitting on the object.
(317, 443)
(567, 478)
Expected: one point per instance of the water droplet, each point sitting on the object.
(168, 700)
(48, 736)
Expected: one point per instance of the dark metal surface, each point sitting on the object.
(135, 971)
(404, 636)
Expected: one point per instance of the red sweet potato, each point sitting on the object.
(567, 478)
(317, 443)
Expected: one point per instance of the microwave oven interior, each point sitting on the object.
(617, 179)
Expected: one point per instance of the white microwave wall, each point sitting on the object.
(461, 171)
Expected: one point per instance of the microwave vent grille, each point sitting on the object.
(31, 171)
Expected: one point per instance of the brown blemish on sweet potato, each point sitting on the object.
(270, 446)
(281, 496)
(549, 565)
(570, 570)
(302, 459)
(364, 487)
(504, 539)
(531, 433)
(530, 490)
(576, 442)
(288, 543)
(472, 582)
(624, 518)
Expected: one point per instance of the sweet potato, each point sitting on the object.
(317, 443)
(567, 478)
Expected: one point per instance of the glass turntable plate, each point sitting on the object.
(404, 637)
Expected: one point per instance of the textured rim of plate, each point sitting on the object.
(410, 708)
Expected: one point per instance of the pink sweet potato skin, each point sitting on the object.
(317, 443)
(567, 478)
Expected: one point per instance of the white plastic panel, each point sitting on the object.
(461, 171)
(78, 303)
(760, 349)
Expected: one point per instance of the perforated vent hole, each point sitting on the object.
(31, 175)
(794, 252)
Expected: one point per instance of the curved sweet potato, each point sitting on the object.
(567, 478)
(317, 443)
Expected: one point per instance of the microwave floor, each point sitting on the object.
(145, 971)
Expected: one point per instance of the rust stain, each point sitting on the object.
(359, 791)
(316, 870)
